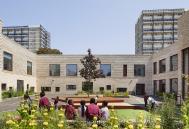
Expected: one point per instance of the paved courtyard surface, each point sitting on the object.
(12, 104)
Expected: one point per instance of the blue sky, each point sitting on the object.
(105, 26)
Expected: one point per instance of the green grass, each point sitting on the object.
(130, 113)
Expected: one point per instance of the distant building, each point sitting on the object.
(156, 29)
(31, 37)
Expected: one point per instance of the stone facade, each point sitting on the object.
(19, 69)
(116, 80)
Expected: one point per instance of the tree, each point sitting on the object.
(90, 72)
(49, 51)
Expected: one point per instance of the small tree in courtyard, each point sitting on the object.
(90, 71)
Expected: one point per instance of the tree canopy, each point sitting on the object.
(49, 51)
(90, 71)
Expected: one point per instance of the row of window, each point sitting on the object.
(162, 86)
(5, 88)
(8, 63)
(71, 70)
(57, 89)
(71, 88)
(162, 65)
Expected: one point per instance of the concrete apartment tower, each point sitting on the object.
(31, 37)
(156, 29)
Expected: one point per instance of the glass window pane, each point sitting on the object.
(139, 70)
(71, 69)
(54, 70)
(106, 69)
(7, 61)
(29, 68)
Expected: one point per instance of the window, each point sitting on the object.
(7, 61)
(71, 70)
(155, 86)
(121, 89)
(106, 69)
(10, 88)
(57, 89)
(174, 85)
(162, 85)
(108, 87)
(29, 68)
(174, 62)
(155, 67)
(124, 70)
(139, 70)
(70, 87)
(162, 66)
(48, 89)
(32, 89)
(54, 70)
(101, 89)
(3, 86)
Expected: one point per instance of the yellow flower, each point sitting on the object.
(115, 127)
(157, 127)
(33, 111)
(45, 114)
(51, 109)
(45, 123)
(32, 116)
(10, 122)
(95, 118)
(158, 119)
(24, 111)
(60, 125)
(61, 115)
(94, 126)
(61, 122)
(32, 123)
(130, 126)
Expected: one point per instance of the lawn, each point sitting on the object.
(130, 113)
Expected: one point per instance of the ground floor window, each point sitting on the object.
(174, 85)
(108, 87)
(32, 89)
(162, 86)
(57, 89)
(3, 86)
(101, 89)
(70, 87)
(87, 86)
(155, 86)
(121, 89)
(48, 89)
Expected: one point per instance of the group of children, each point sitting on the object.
(84, 112)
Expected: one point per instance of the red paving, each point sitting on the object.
(116, 103)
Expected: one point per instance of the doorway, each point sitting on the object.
(140, 89)
(20, 85)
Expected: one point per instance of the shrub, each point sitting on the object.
(168, 113)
